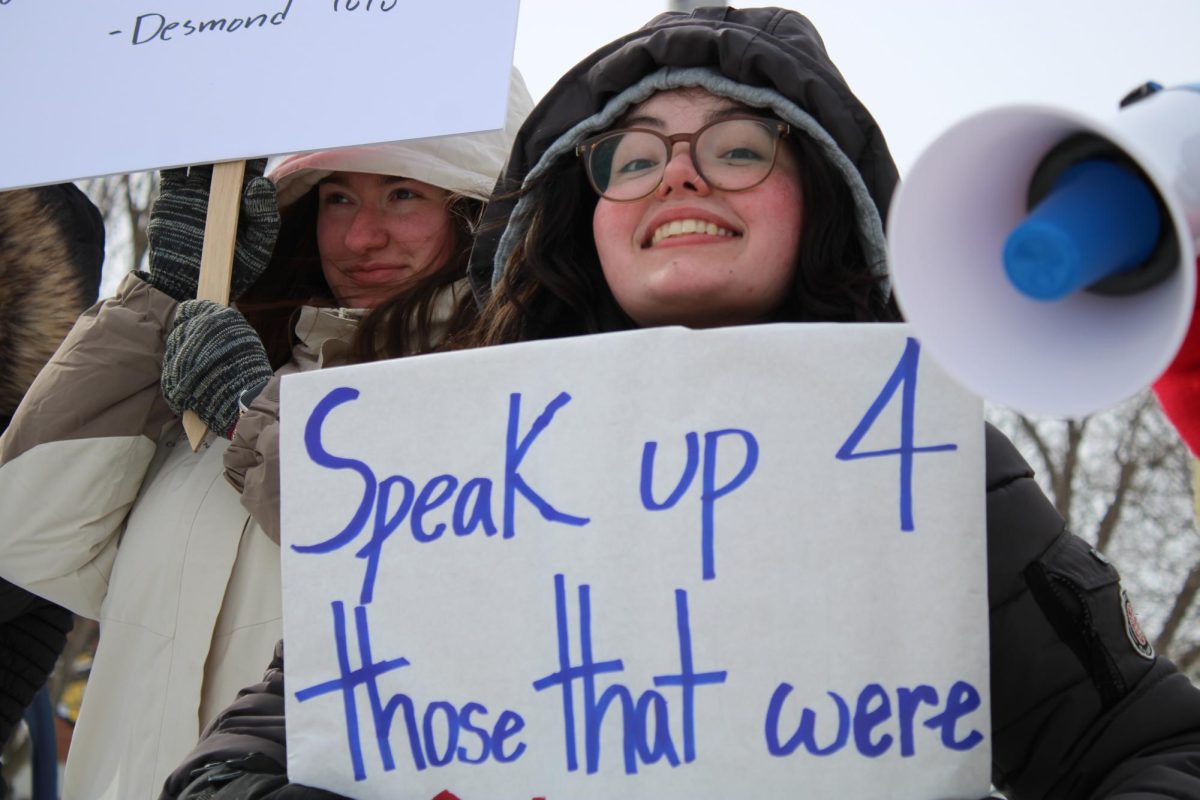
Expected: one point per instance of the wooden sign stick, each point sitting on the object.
(216, 259)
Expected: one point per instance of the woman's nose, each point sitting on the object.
(681, 174)
(366, 232)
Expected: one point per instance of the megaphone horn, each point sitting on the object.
(1046, 259)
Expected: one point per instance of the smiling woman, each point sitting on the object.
(368, 230)
(696, 231)
(688, 252)
(379, 234)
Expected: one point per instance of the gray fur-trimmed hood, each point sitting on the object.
(763, 57)
(51, 251)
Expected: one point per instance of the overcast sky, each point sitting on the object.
(921, 65)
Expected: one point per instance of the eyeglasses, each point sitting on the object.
(732, 154)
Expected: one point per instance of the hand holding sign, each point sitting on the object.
(212, 357)
(183, 222)
(198, 249)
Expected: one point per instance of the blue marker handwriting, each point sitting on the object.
(645, 721)
(388, 503)
(472, 508)
(903, 378)
(656, 724)
(710, 493)
(872, 712)
(464, 736)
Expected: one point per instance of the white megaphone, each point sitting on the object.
(1047, 260)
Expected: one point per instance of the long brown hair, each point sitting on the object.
(406, 323)
(553, 286)
(401, 325)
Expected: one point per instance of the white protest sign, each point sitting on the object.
(656, 564)
(96, 88)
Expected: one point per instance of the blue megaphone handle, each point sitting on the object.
(1099, 219)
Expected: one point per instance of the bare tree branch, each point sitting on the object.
(1132, 459)
(1064, 486)
(1043, 448)
(124, 202)
(1112, 515)
(1189, 659)
(1178, 613)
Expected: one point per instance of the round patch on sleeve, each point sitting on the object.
(1133, 629)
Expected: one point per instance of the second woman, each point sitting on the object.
(113, 515)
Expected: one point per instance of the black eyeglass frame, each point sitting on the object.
(585, 148)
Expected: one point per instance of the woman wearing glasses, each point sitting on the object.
(714, 169)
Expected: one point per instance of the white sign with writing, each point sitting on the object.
(657, 564)
(96, 88)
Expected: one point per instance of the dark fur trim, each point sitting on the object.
(51, 251)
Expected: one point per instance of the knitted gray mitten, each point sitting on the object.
(212, 356)
(176, 230)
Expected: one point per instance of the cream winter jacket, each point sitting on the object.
(109, 513)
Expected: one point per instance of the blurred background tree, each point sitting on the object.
(124, 200)
(1123, 480)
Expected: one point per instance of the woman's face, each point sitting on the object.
(698, 278)
(378, 234)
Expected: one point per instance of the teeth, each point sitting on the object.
(682, 227)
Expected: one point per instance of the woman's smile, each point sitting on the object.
(688, 226)
(689, 254)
